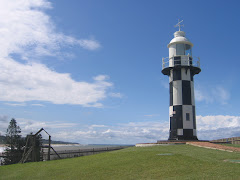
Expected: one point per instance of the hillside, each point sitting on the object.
(159, 162)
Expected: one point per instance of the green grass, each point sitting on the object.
(232, 145)
(186, 162)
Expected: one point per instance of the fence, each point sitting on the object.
(233, 140)
(80, 152)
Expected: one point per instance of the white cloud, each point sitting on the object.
(216, 122)
(28, 125)
(4, 121)
(97, 126)
(19, 83)
(216, 127)
(3, 118)
(101, 78)
(26, 30)
(222, 94)
(116, 95)
(201, 96)
(89, 44)
(208, 128)
(129, 133)
(41, 105)
(212, 94)
(15, 104)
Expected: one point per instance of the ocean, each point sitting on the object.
(63, 147)
(2, 148)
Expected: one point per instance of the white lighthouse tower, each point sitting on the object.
(180, 66)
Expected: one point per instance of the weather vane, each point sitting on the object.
(179, 25)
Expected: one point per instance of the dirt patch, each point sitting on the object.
(215, 146)
(232, 160)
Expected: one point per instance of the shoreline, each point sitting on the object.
(63, 144)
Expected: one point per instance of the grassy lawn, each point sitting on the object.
(159, 162)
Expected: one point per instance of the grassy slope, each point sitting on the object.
(187, 162)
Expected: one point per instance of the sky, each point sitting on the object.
(90, 71)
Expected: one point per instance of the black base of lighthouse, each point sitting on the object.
(187, 135)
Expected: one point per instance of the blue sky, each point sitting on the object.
(90, 71)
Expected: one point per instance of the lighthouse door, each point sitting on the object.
(173, 127)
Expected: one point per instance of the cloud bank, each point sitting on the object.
(217, 127)
(27, 32)
(26, 82)
(208, 128)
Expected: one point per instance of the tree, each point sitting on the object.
(14, 143)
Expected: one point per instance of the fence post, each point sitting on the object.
(49, 146)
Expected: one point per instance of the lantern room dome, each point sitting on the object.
(179, 38)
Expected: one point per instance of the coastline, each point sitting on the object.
(63, 144)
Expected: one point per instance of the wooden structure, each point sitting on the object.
(34, 152)
(232, 140)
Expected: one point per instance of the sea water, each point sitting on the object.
(65, 147)
(2, 149)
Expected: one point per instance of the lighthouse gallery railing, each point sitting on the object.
(190, 61)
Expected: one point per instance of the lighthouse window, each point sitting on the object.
(188, 50)
(187, 117)
(180, 49)
(183, 49)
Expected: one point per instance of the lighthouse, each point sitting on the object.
(180, 67)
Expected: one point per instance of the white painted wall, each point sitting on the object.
(192, 93)
(172, 50)
(185, 76)
(177, 92)
(187, 124)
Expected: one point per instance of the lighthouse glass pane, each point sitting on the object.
(188, 50)
(180, 49)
